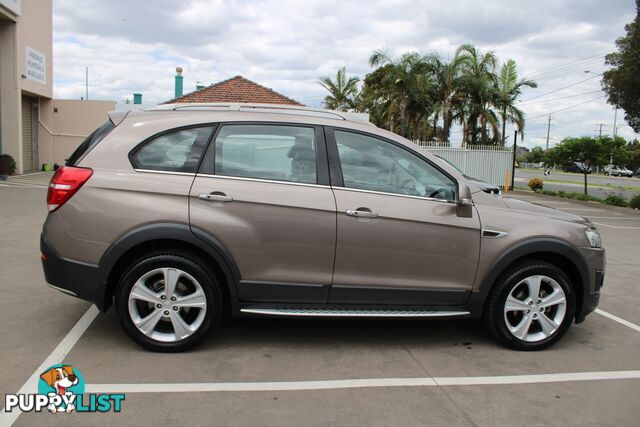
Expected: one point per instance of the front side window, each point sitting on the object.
(178, 151)
(370, 163)
(273, 152)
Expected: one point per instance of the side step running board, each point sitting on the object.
(342, 312)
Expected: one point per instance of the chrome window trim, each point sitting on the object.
(269, 181)
(384, 193)
(165, 172)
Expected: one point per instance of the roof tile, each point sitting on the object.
(236, 89)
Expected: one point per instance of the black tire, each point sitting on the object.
(188, 264)
(494, 310)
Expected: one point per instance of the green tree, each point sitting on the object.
(622, 81)
(614, 151)
(536, 155)
(342, 90)
(508, 89)
(405, 87)
(478, 83)
(448, 93)
(587, 150)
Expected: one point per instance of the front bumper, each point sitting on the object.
(75, 278)
(596, 262)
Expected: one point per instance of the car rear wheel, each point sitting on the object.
(531, 307)
(168, 302)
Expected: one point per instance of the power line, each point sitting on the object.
(560, 97)
(579, 67)
(562, 88)
(567, 108)
(566, 64)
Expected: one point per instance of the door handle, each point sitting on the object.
(215, 196)
(361, 213)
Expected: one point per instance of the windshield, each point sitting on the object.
(456, 168)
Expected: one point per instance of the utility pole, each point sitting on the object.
(548, 130)
(86, 83)
(600, 133)
(615, 119)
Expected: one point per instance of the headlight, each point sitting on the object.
(594, 237)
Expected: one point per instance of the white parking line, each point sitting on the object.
(619, 320)
(360, 383)
(57, 356)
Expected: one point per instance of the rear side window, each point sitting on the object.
(273, 152)
(90, 142)
(176, 151)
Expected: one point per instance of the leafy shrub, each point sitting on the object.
(562, 193)
(12, 163)
(615, 200)
(535, 184)
(635, 201)
(549, 192)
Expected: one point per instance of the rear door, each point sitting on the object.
(399, 239)
(263, 192)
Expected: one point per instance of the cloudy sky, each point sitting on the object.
(134, 46)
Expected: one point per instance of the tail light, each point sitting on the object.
(64, 184)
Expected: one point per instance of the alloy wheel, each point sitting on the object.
(535, 308)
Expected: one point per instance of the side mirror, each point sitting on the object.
(464, 201)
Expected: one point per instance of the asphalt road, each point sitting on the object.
(599, 185)
(274, 355)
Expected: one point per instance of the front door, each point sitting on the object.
(263, 192)
(399, 240)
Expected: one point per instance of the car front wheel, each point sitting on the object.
(168, 302)
(531, 307)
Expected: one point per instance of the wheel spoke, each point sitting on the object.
(171, 276)
(522, 329)
(554, 299)
(514, 304)
(548, 326)
(533, 283)
(148, 324)
(141, 292)
(180, 327)
(196, 300)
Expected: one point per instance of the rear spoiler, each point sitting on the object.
(117, 117)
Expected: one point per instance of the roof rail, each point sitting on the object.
(264, 108)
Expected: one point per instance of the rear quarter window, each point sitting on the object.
(173, 151)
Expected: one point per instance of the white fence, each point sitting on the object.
(489, 163)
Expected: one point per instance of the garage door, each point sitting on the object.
(27, 134)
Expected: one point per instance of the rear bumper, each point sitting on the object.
(75, 278)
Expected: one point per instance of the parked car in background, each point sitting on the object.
(627, 172)
(182, 213)
(577, 167)
(614, 170)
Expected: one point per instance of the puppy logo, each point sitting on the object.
(60, 379)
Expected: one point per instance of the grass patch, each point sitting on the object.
(615, 200)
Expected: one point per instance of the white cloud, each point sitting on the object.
(287, 45)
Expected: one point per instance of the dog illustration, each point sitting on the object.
(60, 379)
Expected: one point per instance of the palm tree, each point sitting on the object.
(508, 88)
(342, 91)
(406, 89)
(447, 92)
(477, 81)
